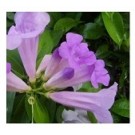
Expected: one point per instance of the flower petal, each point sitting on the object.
(28, 54)
(14, 83)
(52, 65)
(13, 39)
(100, 74)
(73, 38)
(98, 103)
(80, 75)
(60, 78)
(8, 67)
(45, 61)
(31, 24)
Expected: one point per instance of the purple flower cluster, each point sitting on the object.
(70, 65)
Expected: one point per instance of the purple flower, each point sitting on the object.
(69, 77)
(8, 67)
(74, 59)
(25, 35)
(14, 83)
(100, 74)
(99, 103)
(76, 52)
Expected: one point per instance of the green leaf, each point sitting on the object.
(40, 113)
(10, 103)
(74, 15)
(103, 51)
(121, 107)
(28, 108)
(123, 77)
(116, 118)
(59, 114)
(48, 40)
(87, 87)
(10, 15)
(19, 114)
(91, 117)
(55, 16)
(65, 24)
(93, 31)
(17, 66)
(51, 107)
(114, 25)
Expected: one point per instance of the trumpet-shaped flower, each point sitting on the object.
(99, 103)
(25, 35)
(14, 83)
(72, 64)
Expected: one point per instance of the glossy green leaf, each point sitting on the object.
(65, 24)
(19, 114)
(121, 107)
(48, 40)
(93, 31)
(91, 117)
(114, 25)
(40, 113)
(17, 66)
(10, 103)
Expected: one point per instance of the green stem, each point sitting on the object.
(32, 114)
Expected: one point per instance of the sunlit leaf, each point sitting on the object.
(114, 25)
(40, 113)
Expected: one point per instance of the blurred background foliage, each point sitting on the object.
(108, 35)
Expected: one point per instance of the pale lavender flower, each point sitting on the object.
(76, 116)
(72, 64)
(53, 64)
(43, 64)
(25, 36)
(99, 103)
(14, 83)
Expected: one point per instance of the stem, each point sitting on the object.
(31, 101)
(32, 117)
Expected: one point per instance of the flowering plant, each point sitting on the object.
(47, 85)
